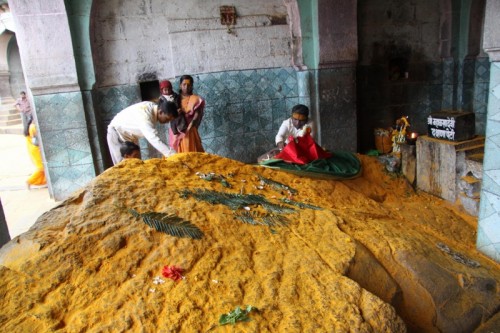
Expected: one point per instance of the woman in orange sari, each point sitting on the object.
(37, 178)
(183, 134)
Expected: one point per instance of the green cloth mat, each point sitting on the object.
(342, 165)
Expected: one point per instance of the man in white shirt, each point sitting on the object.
(294, 126)
(139, 121)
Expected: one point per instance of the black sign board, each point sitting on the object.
(451, 126)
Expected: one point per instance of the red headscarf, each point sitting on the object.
(165, 84)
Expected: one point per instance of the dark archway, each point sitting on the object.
(17, 82)
(476, 21)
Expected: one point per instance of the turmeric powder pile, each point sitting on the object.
(308, 255)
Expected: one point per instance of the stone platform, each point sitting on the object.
(442, 165)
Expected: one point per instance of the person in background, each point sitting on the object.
(130, 150)
(294, 126)
(23, 106)
(168, 93)
(139, 121)
(37, 178)
(185, 137)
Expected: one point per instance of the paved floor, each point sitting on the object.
(21, 206)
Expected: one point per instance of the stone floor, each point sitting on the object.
(21, 206)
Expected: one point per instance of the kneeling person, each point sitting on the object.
(296, 125)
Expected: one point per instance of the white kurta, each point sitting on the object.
(287, 129)
(136, 121)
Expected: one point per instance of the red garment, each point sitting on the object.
(302, 150)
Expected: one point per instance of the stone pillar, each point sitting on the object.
(440, 165)
(336, 77)
(47, 55)
(488, 233)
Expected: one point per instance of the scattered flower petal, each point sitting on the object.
(158, 280)
(173, 272)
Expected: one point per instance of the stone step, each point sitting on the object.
(477, 141)
(9, 122)
(14, 129)
(470, 185)
(8, 109)
(9, 116)
(471, 180)
(474, 165)
(8, 102)
(477, 157)
(472, 150)
(471, 205)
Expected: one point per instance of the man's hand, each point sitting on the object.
(280, 145)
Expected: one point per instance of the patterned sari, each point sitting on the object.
(192, 107)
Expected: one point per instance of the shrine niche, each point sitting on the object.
(228, 17)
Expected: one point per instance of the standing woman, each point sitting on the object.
(37, 178)
(187, 139)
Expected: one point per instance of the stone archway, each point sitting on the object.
(16, 78)
(5, 88)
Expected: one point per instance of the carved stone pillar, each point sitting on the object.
(488, 233)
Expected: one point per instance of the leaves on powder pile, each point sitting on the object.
(169, 223)
(212, 176)
(280, 209)
(269, 220)
(276, 185)
(236, 315)
(300, 204)
(234, 200)
(272, 220)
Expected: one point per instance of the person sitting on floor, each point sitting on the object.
(129, 149)
(296, 125)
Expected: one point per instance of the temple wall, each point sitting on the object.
(246, 76)
(162, 40)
